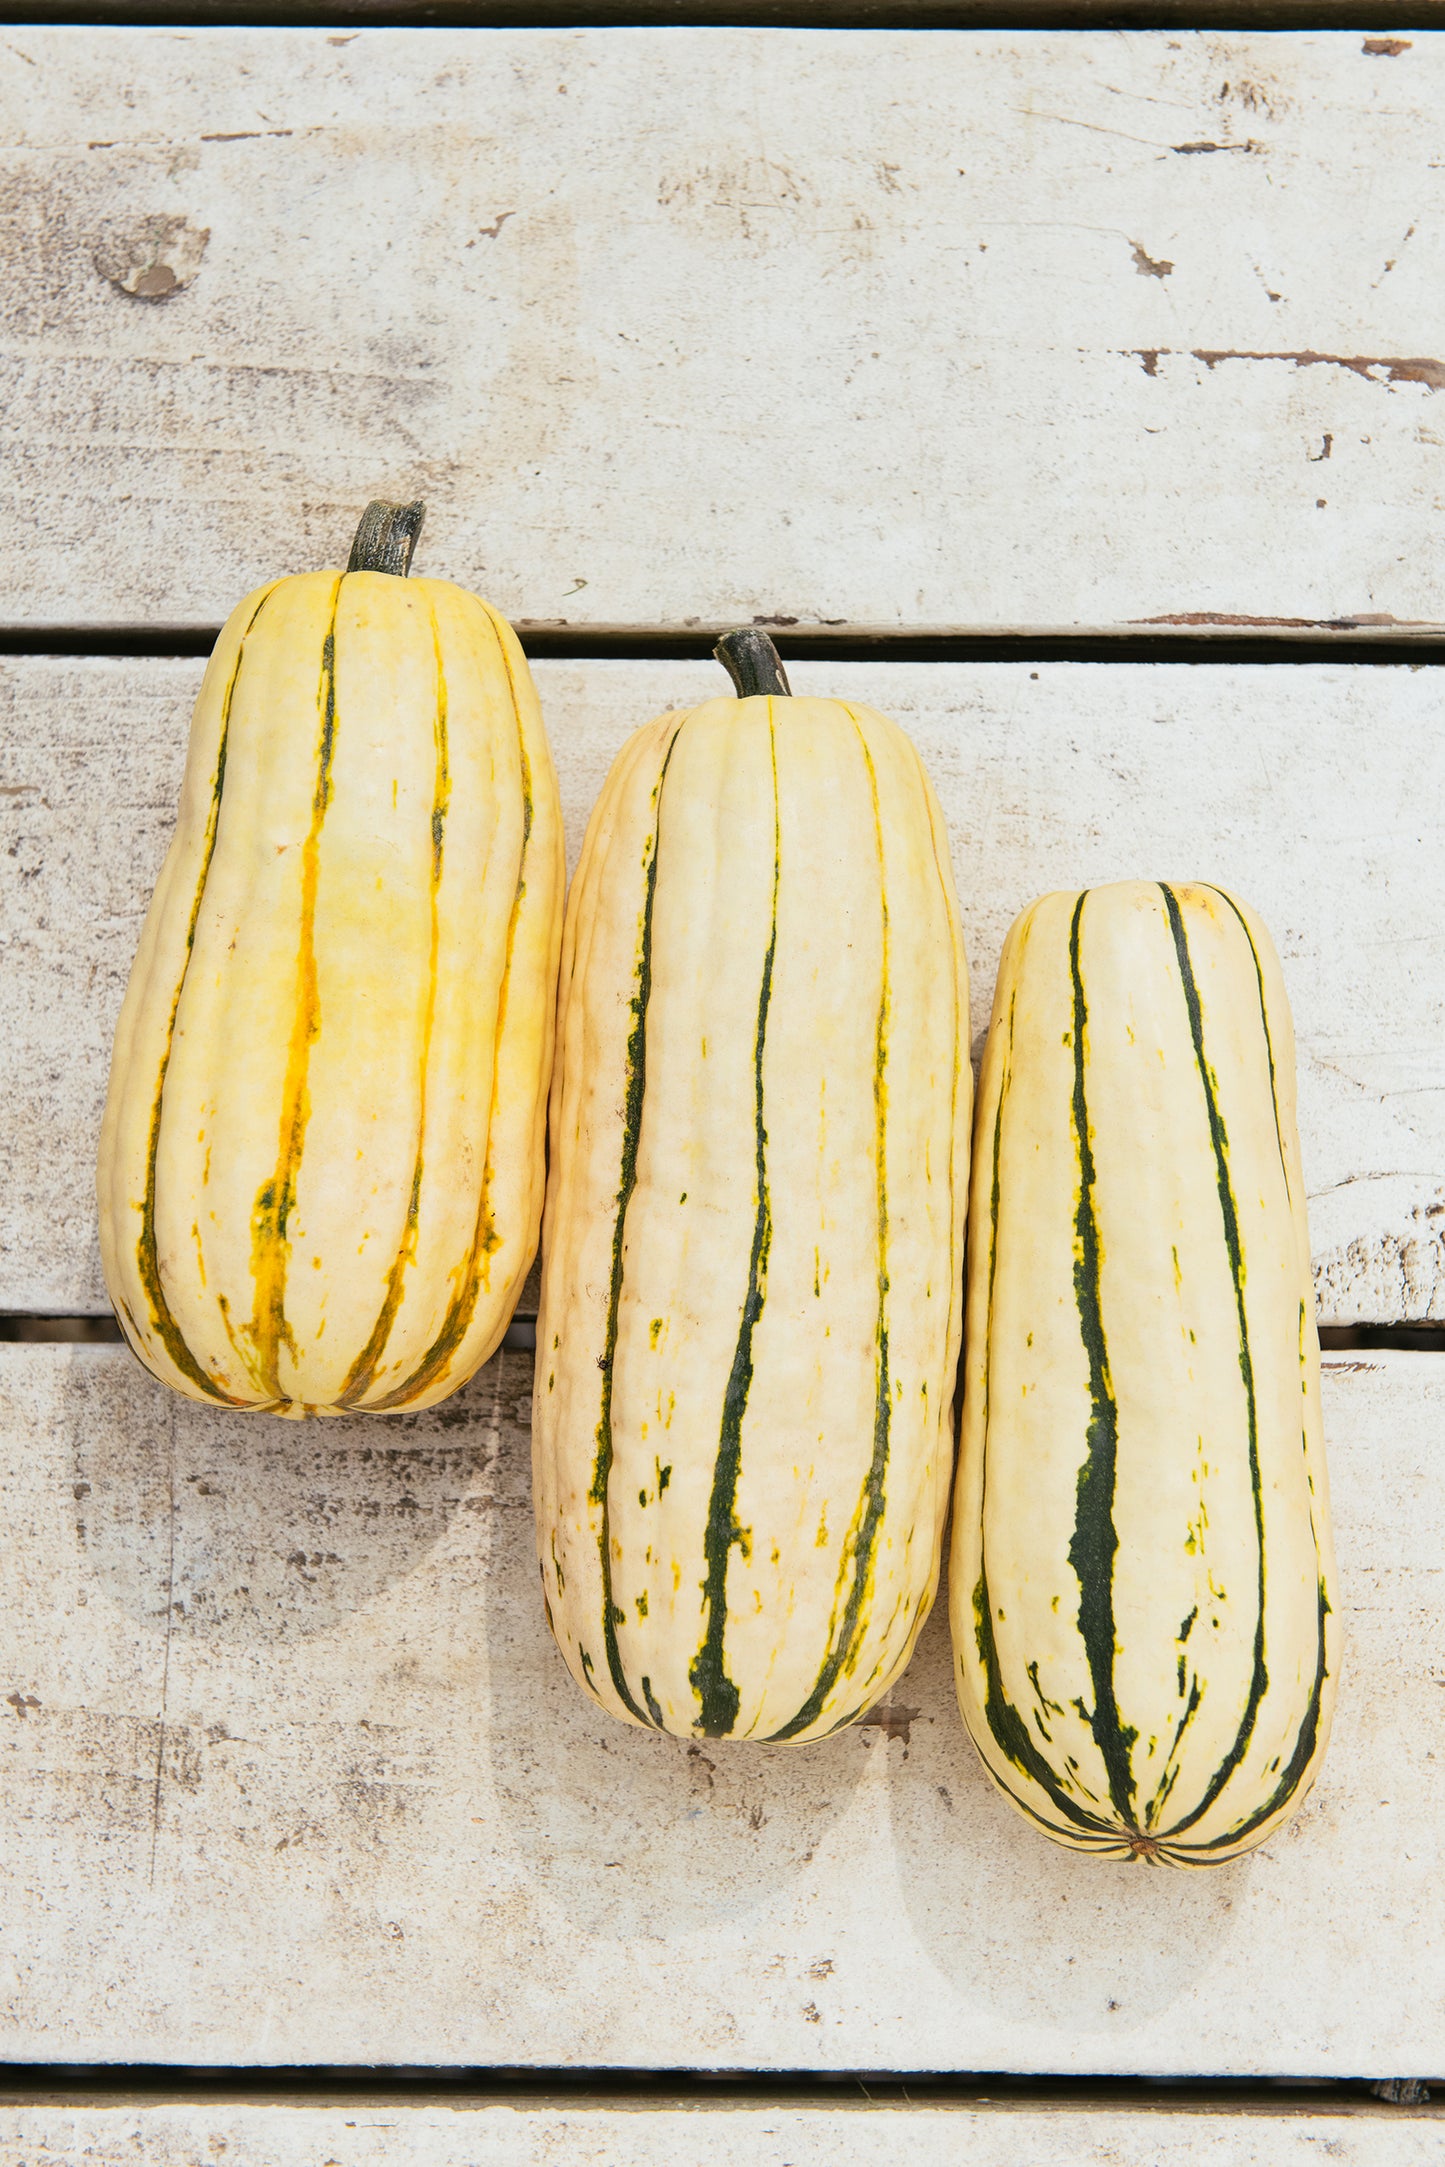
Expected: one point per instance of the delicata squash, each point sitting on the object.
(321, 1165)
(749, 1326)
(1145, 1638)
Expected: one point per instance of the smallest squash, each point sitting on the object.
(1146, 1644)
(321, 1164)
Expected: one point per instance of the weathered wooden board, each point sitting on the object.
(947, 329)
(1313, 791)
(541, 2133)
(290, 1772)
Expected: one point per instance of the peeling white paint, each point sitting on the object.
(385, 2132)
(1309, 790)
(290, 1771)
(954, 330)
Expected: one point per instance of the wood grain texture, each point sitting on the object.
(1308, 791)
(383, 2132)
(872, 328)
(291, 1772)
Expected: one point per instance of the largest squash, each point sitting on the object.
(321, 1165)
(749, 1326)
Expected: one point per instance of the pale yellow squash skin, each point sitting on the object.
(751, 1292)
(1142, 1372)
(321, 1166)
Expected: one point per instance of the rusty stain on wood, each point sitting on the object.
(153, 258)
(1149, 266)
(1365, 621)
(1398, 369)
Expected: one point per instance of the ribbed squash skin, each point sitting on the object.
(321, 1165)
(749, 1329)
(1145, 1639)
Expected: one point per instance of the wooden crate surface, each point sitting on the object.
(290, 1771)
(872, 328)
(955, 331)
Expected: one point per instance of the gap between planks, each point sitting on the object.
(20, 1328)
(983, 15)
(282, 2084)
(1225, 643)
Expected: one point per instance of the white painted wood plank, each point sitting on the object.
(540, 2133)
(1313, 791)
(885, 328)
(290, 1772)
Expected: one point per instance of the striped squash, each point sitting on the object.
(321, 1166)
(1145, 1641)
(749, 1327)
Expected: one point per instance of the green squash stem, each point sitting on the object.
(386, 538)
(752, 662)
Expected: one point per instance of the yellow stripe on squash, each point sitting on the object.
(749, 1328)
(321, 1165)
(1145, 1639)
